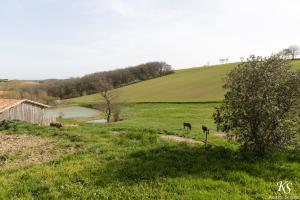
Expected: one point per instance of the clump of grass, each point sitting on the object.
(10, 125)
(6, 157)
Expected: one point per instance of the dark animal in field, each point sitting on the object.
(205, 129)
(187, 125)
(56, 124)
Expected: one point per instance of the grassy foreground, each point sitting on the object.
(202, 84)
(128, 160)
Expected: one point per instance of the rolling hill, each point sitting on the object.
(199, 84)
(8, 89)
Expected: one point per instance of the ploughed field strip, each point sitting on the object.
(21, 150)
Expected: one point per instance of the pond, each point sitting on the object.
(72, 112)
(98, 121)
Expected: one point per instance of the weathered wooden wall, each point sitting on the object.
(27, 112)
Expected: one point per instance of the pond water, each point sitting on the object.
(101, 121)
(72, 112)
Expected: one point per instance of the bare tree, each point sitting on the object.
(222, 60)
(108, 95)
(285, 53)
(290, 52)
(294, 51)
(242, 59)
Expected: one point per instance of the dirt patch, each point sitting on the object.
(19, 150)
(70, 125)
(19, 142)
(179, 139)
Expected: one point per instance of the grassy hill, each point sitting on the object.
(188, 85)
(7, 89)
(10, 85)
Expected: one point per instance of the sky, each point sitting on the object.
(41, 39)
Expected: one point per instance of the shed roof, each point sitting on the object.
(6, 104)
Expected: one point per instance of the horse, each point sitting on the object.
(56, 124)
(205, 129)
(187, 125)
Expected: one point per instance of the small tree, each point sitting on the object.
(285, 53)
(290, 52)
(261, 98)
(294, 51)
(222, 60)
(108, 95)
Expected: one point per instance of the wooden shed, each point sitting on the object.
(24, 110)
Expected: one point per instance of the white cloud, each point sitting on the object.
(122, 8)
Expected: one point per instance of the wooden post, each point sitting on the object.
(206, 139)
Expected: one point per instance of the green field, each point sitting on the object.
(200, 84)
(128, 160)
(168, 118)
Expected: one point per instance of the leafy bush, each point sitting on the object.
(260, 104)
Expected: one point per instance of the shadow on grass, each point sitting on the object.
(216, 163)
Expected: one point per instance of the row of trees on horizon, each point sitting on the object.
(289, 53)
(49, 90)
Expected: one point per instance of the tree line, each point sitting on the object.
(291, 52)
(92, 83)
(288, 53)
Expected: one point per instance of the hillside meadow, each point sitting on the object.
(8, 89)
(200, 84)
